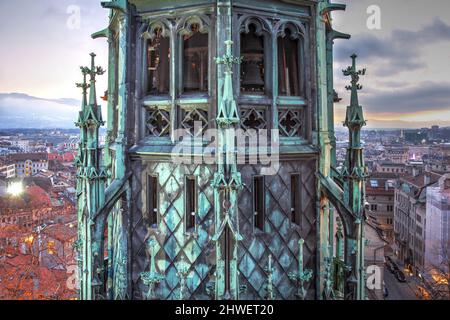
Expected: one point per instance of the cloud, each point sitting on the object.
(438, 30)
(426, 96)
(430, 97)
(399, 52)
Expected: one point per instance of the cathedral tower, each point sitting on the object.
(189, 210)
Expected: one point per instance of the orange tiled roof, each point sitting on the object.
(61, 232)
(20, 260)
(28, 156)
(38, 196)
(419, 181)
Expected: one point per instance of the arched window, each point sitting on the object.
(289, 76)
(252, 67)
(158, 58)
(195, 60)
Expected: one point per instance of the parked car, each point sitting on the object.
(389, 266)
(395, 267)
(400, 276)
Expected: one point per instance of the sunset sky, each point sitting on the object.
(408, 60)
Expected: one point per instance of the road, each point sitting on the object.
(398, 290)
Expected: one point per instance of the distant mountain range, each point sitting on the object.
(19, 110)
(22, 111)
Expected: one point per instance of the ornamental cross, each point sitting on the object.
(303, 275)
(85, 71)
(151, 278)
(269, 286)
(354, 73)
(94, 71)
(328, 275)
(183, 272)
(228, 59)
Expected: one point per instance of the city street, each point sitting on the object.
(398, 290)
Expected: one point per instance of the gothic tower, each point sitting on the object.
(91, 177)
(189, 210)
(354, 174)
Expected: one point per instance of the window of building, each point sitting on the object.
(195, 60)
(390, 208)
(158, 59)
(190, 202)
(252, 66)
(288, 65)
(373, 207)
(419, 230)
(51, 247)
(295, 199)
(227, 255)
(258, 202)
(152, 200)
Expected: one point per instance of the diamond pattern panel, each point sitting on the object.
(195, 121)
(253, 118)
(280, 238)
(158, 122)
(290, 122)
(175, 248)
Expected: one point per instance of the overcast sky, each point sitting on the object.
(407, 60)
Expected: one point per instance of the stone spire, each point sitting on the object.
(91, 178)
(227, 113)
(84, 86)
(94, 114)
(354, 118)
(227, 180)
(354, 174)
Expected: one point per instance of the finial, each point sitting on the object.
(355, 116)
(328, 292)
(270, 294)
(151, 278)
(84, 85)
(303, 275)
(228, 59)
(354, 73)
(93, 72)
(227, 113)
(183, 272)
